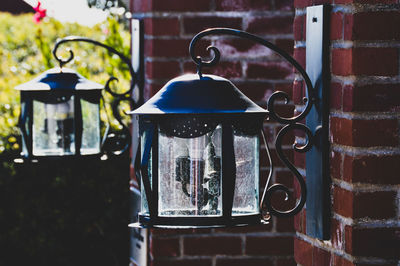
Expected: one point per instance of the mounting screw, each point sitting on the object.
(314, 19)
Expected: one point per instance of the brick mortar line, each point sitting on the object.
(299, 108)
(223, 256)
(213, 5)
(284, 147)
(326, 245)
(398, 137)
(299, 44)
(274, 81)
(225, 58)
(243, 245)
(273, 4)
(181, 25)
(353, 8)
(261, 234)
(376, 44)
(234, 256)
(276, 169)
(343, 220)
(365, 115)
(366, 80)
(223, 234)
(365, 187)
(214, 261)
(348, 44)
(341, 253)
(360, 8)
(240, 80)
(245, 257)
(367, 223)
(343, 8)
(398, 205)
(226, 14)
(398, 66)
(185, 256)
(300, 12)
(374, 260)
(189, 36)
(182, 65)
(341, 44)
(344, 80)
(181, 247)
(370, 151)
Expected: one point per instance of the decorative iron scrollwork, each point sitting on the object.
(113, 142)
(290, 124)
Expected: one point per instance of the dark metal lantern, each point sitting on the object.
(60, 111)
(60, 115)
(200, 152)
(198, 160)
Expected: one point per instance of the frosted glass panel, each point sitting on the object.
(144, 203)
(190, 175)
(91, 128)
(246, 196)
(53, 128)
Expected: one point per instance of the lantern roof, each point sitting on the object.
(191, 94)
(59, 79)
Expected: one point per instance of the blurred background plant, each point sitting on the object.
(26, 51)
(66, 212)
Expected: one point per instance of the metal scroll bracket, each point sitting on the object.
(317, 166)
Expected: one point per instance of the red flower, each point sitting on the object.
(40, 13)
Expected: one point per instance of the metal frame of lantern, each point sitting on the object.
(156, 115)
(60, 84)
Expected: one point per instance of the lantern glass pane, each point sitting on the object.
(53, 128)
(25, 126)
(190, 175)
(144, 203)
(246, 195)
(91, 128)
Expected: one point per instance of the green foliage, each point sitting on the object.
(26, 51)
(59, 212)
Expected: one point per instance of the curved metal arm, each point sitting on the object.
(270, 190)
(291, 123)
(277, 95)
(115, 144)
(125, 59)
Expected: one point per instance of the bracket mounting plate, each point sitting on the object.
(317, 159)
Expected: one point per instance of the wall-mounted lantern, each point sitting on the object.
(199, 149)
(60, 112)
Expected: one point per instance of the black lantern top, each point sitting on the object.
(59, 78)
(199, 94)
(192, 105)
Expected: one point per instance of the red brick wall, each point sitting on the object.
(364, 135)
(169, 26)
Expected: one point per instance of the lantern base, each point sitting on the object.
(195, 222)
(36, 159)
